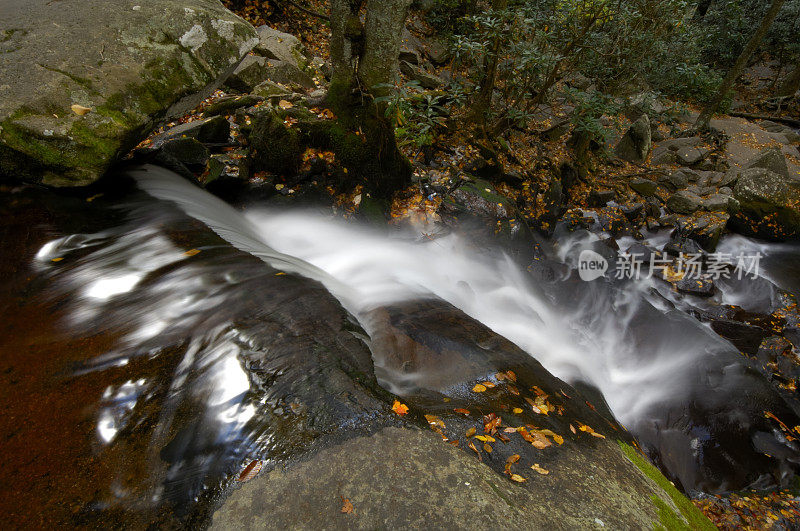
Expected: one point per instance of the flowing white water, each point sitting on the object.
(591, 342)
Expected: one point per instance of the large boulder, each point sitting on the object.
(81, 84)
(769, 205)
(771, 159)
(636, 143)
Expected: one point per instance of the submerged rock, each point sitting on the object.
(78, 94)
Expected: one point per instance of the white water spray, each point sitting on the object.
(592, 342)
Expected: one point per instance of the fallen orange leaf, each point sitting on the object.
(399, 408)
(347, 506)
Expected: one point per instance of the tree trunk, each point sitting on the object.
(363, 56)
(738, 66)
(791, 84)
(484, 98)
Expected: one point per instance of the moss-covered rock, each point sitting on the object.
(274, 147)
(77, 95)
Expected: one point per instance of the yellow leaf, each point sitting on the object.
(279, 187)
(279, 274)
(191, 252)
(518, 478)
(517, 410)
(470, 432)
(488, 385)
(539, 469)
(512, 459)
(283, 104)
(487, 448)
(479, 388)
(80, 110)
(399, 408)
(510, 430)
(57, 259)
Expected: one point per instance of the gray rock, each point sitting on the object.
(699, 287)
(644, 187)
(187, 151)
(599, 198)
(689, 155)
(269, 90)
(725, 190)
(210, 130)
(716, 203)
(229, 104)
(774, 127)
(771, 159)
(674, 144)
(250, 73)
(437, 50)
(635, 145)
(675, 180)
(684, 202)
(130, 70)
(425, 79)
(433, 485)
(705, 228)
(274, 44)
(769, 205)
(662, 156)
(411, 48)
(288, 74)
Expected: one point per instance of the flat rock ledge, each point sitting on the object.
(403, 478)
(82, 82)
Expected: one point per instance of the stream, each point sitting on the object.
(152, 333)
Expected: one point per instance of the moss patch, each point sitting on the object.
(669, 519)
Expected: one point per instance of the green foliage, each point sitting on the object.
(728, 25)
(590, 107)
(448, 15)
(415, 114)
(623, 47)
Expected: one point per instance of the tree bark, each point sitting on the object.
(738, 66)
(484, 98)
(363, 56)
(791, 84)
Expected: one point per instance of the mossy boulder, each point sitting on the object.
(76, 94)
(275, 147)
(769, 205)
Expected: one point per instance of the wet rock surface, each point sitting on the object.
(405, 478)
